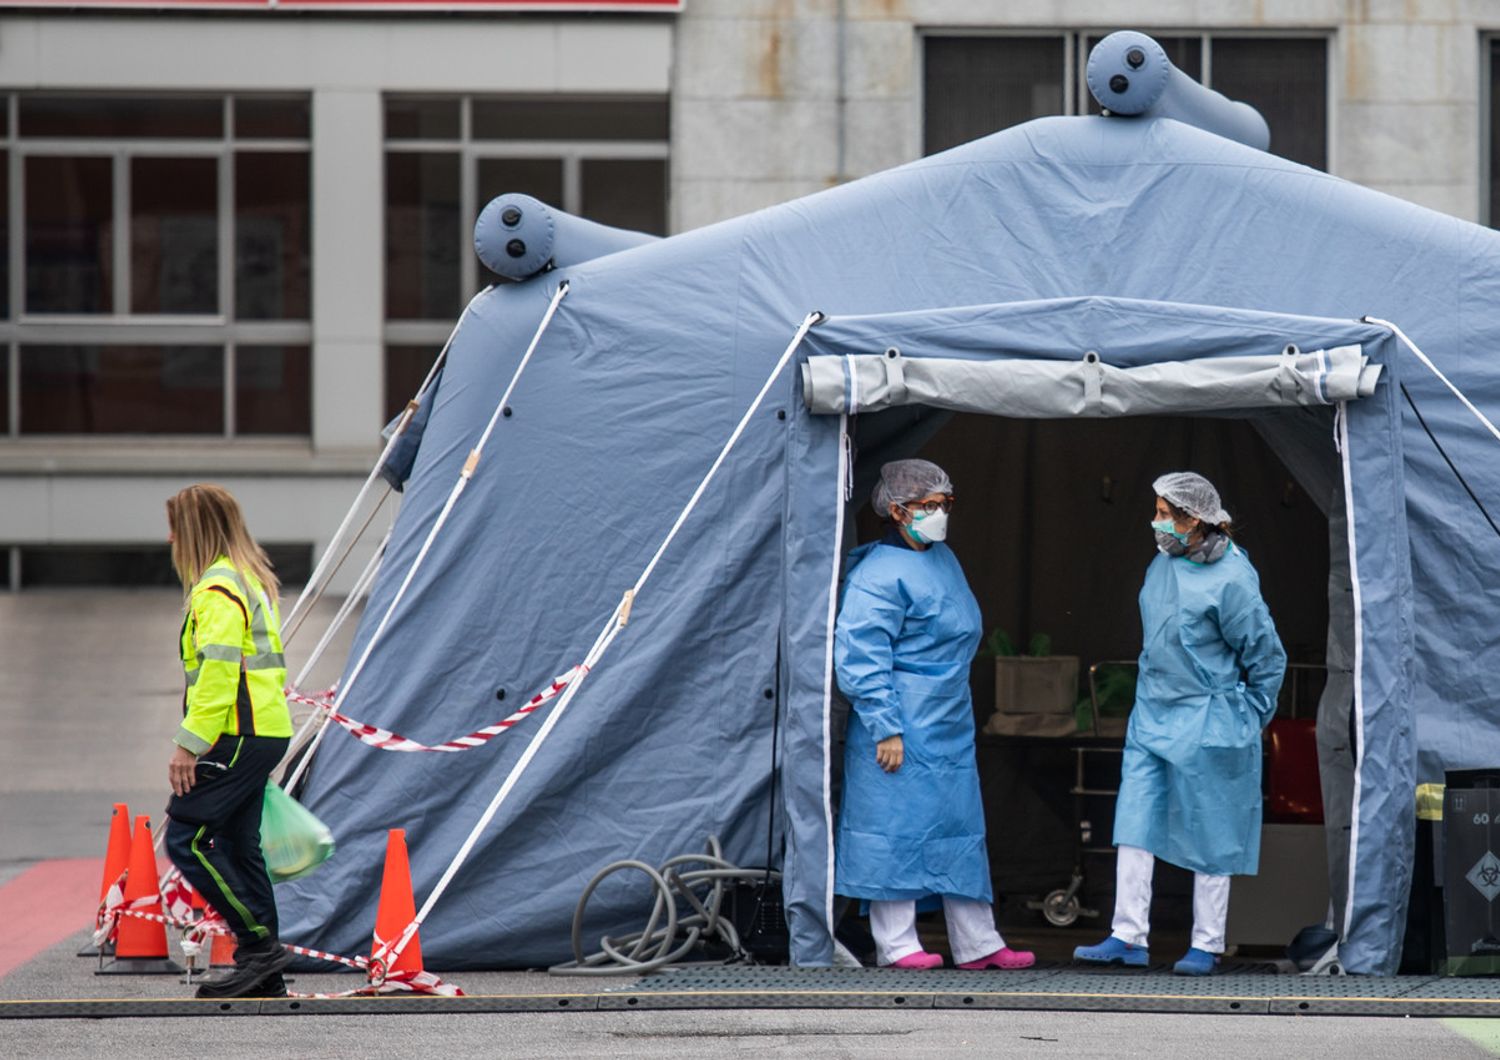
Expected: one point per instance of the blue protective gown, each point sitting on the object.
(1210, 669)
(907, 629)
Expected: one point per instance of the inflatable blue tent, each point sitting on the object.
(1067, 268)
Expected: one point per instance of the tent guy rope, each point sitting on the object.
(1481, 417)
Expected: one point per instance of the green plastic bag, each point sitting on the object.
(293, 841)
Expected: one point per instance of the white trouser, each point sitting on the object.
(971, 930)
(1133, 869)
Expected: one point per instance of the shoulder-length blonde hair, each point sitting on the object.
(206, 523)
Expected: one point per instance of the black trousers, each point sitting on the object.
(213, 836)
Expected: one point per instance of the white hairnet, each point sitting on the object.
(1192, 493)
(906, 480)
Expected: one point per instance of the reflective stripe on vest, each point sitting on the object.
(266, 657)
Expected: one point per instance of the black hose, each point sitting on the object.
(657, 945)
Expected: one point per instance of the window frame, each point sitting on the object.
(120, 326)
(1489, 66)
(1076, 53)
(403, 331)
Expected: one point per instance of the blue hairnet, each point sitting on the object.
(906, 480)
(1192, 493)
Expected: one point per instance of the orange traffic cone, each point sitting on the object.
(221, 947)
(116, 858)
(221, 952)
(397, 906)
(141, 945)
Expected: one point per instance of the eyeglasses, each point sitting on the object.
(930, 507)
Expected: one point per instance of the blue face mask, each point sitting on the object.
(1167, 527)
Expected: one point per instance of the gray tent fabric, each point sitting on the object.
(651, 360)
(1087, 386)
(1302, 443)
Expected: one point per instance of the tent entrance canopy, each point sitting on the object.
(1086, 357)
(1330, 412)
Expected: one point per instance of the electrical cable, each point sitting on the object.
(1448, 460)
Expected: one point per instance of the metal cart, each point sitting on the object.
(1096, 776)
(1092, 754)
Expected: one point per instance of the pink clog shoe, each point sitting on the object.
(921, 961)
(1008, 959)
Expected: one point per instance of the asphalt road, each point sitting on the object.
(725, 1033)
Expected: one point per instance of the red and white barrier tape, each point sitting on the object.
(381, 982)
(385, 740)
(177, 896)
(360, 963)
(420, 982)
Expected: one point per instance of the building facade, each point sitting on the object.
(235, 235)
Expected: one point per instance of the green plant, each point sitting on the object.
(998, 645)
(1115, 689)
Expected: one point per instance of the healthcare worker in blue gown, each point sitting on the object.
(1210, 669)
(911, 825)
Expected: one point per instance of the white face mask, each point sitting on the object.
(928, 528)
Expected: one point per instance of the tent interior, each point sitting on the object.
(1050, 527)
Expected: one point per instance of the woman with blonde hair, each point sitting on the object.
(235, 729)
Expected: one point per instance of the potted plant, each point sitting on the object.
(1035, 693)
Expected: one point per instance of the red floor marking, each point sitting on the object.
(44, 905)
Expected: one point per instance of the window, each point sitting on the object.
(1491, 101)
(601, 157)
(975, 85)
(164, 248)
(32, 566)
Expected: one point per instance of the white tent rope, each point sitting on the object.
(313, 602)
(1437, 372)
(361, 587)
(320, 718)
(617, 621)
(458, 488)
(327, 566)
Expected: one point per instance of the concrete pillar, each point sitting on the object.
(348, 280)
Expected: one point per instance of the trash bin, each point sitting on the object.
(1423, 949)
(1471, 871)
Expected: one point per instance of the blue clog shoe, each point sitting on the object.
(1114, 951)
(1196, 962)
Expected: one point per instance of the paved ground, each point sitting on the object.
(730, 1033)
(89, 691)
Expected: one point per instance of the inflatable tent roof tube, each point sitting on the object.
(518, 236)
(1130, 74)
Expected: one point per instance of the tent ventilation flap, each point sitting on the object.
(1051, 389)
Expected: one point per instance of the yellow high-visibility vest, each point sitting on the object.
(232, 656)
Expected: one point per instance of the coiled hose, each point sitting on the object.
(657, 945)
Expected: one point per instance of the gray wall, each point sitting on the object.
(757, 97)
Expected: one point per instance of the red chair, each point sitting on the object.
(1294, 794)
